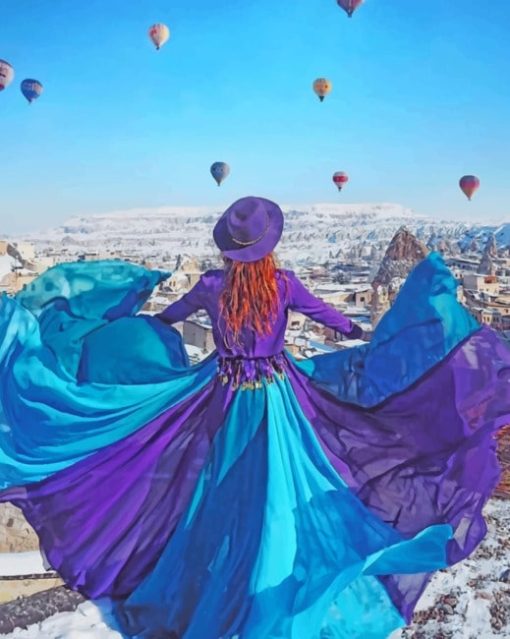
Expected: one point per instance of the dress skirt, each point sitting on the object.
(313, 505)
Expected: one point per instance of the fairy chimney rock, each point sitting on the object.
(402, 255)
(490, 252)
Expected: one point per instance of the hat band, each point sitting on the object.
(257, 239)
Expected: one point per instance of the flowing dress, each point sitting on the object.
(251, 495)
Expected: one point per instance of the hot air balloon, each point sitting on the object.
(31, 89)
(322, 87)
(6, 74)
(159, 34)
(349, 6)
(340, 179)
(220, 171)
(469, 185)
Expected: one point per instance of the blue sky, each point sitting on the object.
(421, 96)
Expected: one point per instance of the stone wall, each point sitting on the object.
(16, 535)
(11, 589)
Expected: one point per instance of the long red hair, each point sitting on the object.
(250, 297)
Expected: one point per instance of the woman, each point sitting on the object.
(251, 496)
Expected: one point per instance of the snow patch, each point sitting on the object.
(21, 563)
(7, 263)
(88, 621)
(503, 235)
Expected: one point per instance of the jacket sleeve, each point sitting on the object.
(303, 301)
(188, 304)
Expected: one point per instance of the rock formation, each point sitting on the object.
(16, 535)
(402, 255)
(487, 266)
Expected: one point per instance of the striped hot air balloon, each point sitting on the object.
(340, 179)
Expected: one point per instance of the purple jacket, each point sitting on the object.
(293, 295)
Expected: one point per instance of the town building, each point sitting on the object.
(481, 283)
(198, 332)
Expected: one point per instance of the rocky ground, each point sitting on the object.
(469, 601)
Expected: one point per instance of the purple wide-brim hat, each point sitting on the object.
(249, 229)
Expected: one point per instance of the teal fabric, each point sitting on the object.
(425, 324)
(280, 547)
(134, 350)
(278, 543)
(73, 299)
(79, 371)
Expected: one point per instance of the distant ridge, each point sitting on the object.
(383, 209)
(314, 233)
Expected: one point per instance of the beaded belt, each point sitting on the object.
(251, 372)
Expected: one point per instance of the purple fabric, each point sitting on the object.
(293, 296)
(426, 455)
(411, 466)
(104, 522)
(355, 333)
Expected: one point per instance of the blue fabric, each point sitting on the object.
(73, 299)
(79, 372)
(425, 324)
(134, 350)
(274, 544)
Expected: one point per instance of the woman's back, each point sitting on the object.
(292, 294)
(249, 343)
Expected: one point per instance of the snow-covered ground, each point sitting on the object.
(7, 263)
(469, 601)
(88, 621)
(21, 563)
